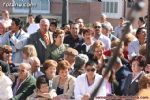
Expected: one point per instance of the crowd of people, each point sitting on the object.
(41, 61)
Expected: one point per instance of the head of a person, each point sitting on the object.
(38, 18)
(80, 22)
(142, 50)
(98, 51)
(23, 71)
(2, 28)
(103, 18)
(88, 34)
(49, 67)
(106, 29)
(67, 28)
(35, 64)
(117, 64)
(97, 27)
(90, 68)
(7, 53)
(59, 35)
(141, 34)
(63, 69)
(70, 55)
(74, 29)
(16, 24)
(42, 84)
(121, 21)
(144, 82)
(29, 51)
(97, 43)
(5, 14)
(30, 18)
(147, 68)
(138, 63)
(53, 26)
(44, 25)
(141, 21)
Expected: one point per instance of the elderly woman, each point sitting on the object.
(87, 82)
(132, 81)
(63, 83)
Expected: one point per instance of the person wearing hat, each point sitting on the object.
(70, 55)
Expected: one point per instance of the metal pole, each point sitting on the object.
(65, 12)
(148, 35)
(30, 7)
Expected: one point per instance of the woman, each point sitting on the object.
(63, 83)
(42, 91)
(29, 51)
(132, 81)
(87, 82)
(49, 68)
(144, 82)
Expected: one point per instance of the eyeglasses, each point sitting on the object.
(97, 26)
(90, 69)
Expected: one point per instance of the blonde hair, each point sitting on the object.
(30, 50)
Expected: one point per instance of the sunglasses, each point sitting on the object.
(90, 69)
(97, 26)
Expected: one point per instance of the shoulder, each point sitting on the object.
(71, 77)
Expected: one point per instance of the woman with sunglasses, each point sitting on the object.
(131, 86)
(87, 82)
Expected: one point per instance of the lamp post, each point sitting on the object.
(65, 12)
(30, 7)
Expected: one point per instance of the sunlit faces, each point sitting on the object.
(44, 25)
(63, 73)
(14, 27)
(60, 38)
(22, 72)
(75, 29)
(51, 71)
(97, 27)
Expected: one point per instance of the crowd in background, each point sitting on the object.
(41, 61)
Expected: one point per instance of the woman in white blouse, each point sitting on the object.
(87, 82)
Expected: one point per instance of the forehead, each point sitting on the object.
(75, 25)
(45, 22)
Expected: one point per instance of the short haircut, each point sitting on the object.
(18, 22)
(140, 59)
(54, 23)
(49, 63)
(38, 18)
(58, 32)
(30, 50)
(30, 15)
(139, 30)
(144, 81)
(63, 65)
(41, 80)
(91, 64)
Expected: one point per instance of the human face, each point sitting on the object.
(60, 38)
(142, 35)
(87, 36)
(14, 27)
(98, 52)
(53, 28)
(51, 71)
(97, 28)
(44, 88)
(135, 67)
(44, 26)
(75, 29)
(5, 15)
(30, 19)
(63, 73)
(70, 58)
(90, 71)
(22, 72)
(34, 67)
(80, 22)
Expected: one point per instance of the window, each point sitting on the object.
(37, 6)
(112, 8)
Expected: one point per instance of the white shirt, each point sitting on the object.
(5, 88)
(82, 87)
(105, 40)
(33, 28)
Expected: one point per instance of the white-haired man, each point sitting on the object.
(41, 39)
(24, 84)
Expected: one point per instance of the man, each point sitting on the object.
(17, 39)
(121, 72)
(35, 67)
(5, 19)
(41, 39)
(74, 39)
(80, 21)
(100, 36)
(103, 19)
(24, 84)
(119, 28)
